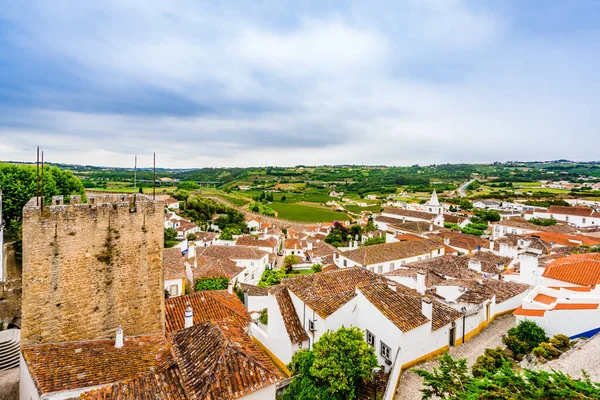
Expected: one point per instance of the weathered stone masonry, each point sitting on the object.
(89, 268)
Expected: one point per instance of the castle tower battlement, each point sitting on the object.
(91, 267)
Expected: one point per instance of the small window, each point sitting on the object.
(402, 262)
(380, 269)
(252, 263)
(173, 290)
(370, 339)
(567, 219)
(385, 351)
(583, 220)
(392, 266)
(372, 269)
(345, 263)
(311, 325)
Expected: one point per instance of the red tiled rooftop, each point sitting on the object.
(576, 306)
(525, 312)
(542, 298)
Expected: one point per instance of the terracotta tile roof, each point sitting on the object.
(171, 200)
(406, 237)
(330, 267)
(443, 315)
(209, 267)
(185, 226)
(525, 312)
(410, 226)
(447, 266)
(205, 236)
(72, 365)
(579, 211)
(454, 219)
(220, 361)
(173, 264)
(565, 239)
(490, 262)
(254, 290)
(402, 310)
(325, 292)
(542, 298)
(572, 288)
(164, 385)
(580, 269)
(576, 306)
(251, 241)
(322, 250)
(231, 252)
(293, 244)
(292, 323)
(463, 241)
(207, 306)
(477, 292)
(401, 212)
(385, 252)
(524, 224)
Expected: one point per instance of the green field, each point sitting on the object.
(358, 209)
(235, 200)
(303, 213)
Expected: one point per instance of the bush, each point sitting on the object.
(316, 268)
(561, 342)
(191, 236)
(217, 283)
(490, 362)
(540, 352)
(543, 221)
(374, 240)
(551, 351)
(271, 277)
(523, 338)
(263, 316)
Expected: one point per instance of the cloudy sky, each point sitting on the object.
(241, 83)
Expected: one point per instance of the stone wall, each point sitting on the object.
(89, 268)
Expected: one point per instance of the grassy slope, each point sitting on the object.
(304, 213)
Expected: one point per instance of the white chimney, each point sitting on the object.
(475, 265)
(420, 282)
(491, 245)
(189, 316)
(119, 338)
(427, 308)
(309, 245)
(529, 269)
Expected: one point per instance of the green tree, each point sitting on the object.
(334, 368)
(370, 227)
(191, 236)
(170, 235)
(374, 240)
(523, 338)
(316, 267)
(290, 261)
(490, 362)
(216, 283)
(271, 277)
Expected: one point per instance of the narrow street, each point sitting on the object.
(491, 336)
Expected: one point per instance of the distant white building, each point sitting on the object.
(576, 215)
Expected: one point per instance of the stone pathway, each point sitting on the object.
(491, 336)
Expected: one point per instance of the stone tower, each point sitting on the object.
(90, 268)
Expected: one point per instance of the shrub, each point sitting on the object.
(540, 352)
(316, 268)
(543, 221)
(263, 317)
(191, 236)
(374, 240)
(490, 362)
(561, 342)
(551, 351)
(523, 338)
(216, 283)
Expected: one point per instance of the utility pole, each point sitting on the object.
(134, 174)
(42, 180)
(154, 181)
(37, 178)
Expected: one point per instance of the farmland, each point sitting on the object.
(307, 213)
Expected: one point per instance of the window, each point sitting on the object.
(173, 290)
(402, 262)
(345, 263)
(391, 266)
(380, 269)
(385, 351)
(567, 219)
(311, 325)
(372, 269)
(370, 338)
(583, 220)
(252, 263)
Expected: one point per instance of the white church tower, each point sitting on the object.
(433, 205)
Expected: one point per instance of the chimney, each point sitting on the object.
(475, 265)
(309, 245)
(420, 282)
(427, 308)
(119, 338)
(189, 316)
(491, 245)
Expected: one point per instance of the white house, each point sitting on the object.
(172, 203)
(386, 257)
(520, 226)
(174, 271)
(403, 215)
(254, 224)
(400, 324)
(487, 204)
(253, 260)
(575, 215)
(566, 299)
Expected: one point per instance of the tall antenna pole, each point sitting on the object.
(1, 242)
(154, 180)
(37, 178)
(135, 174)
(42, 191)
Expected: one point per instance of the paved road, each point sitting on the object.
(491, 336)
(463, 187)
